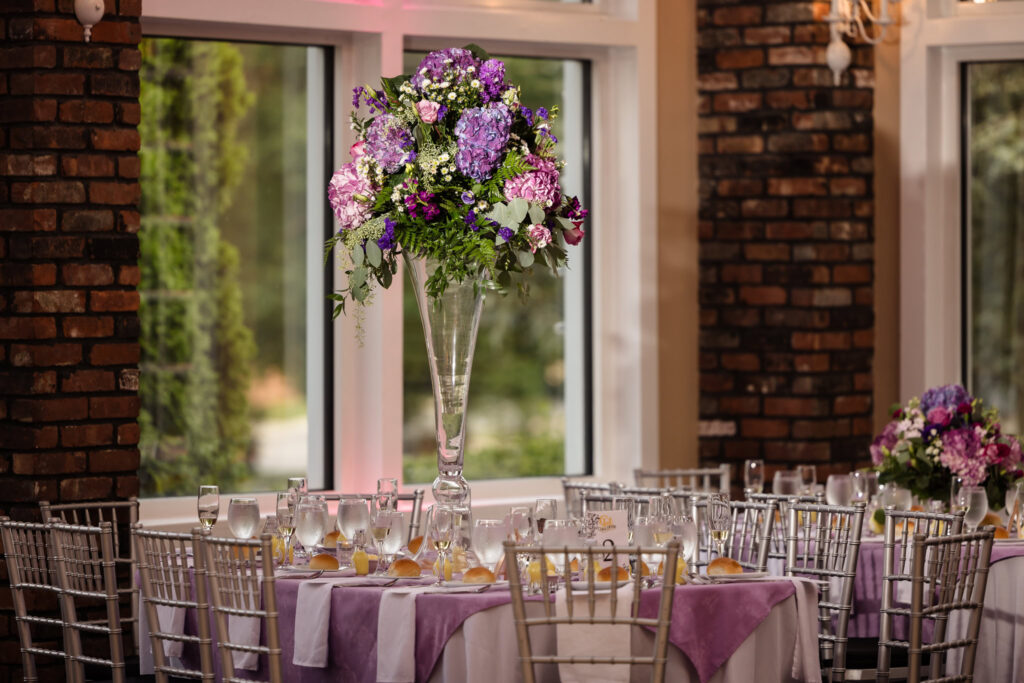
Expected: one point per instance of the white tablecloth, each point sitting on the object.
(484, 649)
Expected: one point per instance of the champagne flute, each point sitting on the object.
(488, 535)
(353, 515)
(208, 504)
(545, 509)
(956, 504)
(808, 478)
(440, 532)
(308, 524)
(285, 525)
(719, 520)
(386, 528)
(975, 500)
(753, 475)
(387, 494)
(243, 516)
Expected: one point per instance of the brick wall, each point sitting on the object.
(786, 262)
(69, 216)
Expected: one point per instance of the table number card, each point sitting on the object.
(612, 531)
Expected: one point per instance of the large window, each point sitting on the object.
(529, 402)
(232, 277)
(994, 235)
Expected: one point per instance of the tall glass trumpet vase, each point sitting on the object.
(450, 324)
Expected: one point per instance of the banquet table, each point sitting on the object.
(719, 634)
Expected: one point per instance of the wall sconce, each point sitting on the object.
(849, 18)
(89, 13)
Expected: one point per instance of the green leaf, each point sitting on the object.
(517, 209)
(565, 223)
(478, 51)
(373, 253)
(358, 256)
(357, 278)
(498, 213)
(385, 278)
(525, 258)
(536, 214)
(499, 240)
(504, 279)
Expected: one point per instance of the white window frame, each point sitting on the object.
(618, 38)
(936, 38)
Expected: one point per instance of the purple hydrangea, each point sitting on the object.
(492, 76)
(389, 143)
(387, 240)
(482, 135)
(949, 396)
(351, 197)
(887, 439)
(436, 64)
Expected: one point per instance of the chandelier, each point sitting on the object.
(854, 19)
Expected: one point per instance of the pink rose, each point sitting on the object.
(540, 237)
(574, 236)
(357, 150)
(940, 415)
(427, 111)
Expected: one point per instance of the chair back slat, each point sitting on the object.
(589, 559)
(415, 515)
(32, 575)
(750, 534)
(574, 492)
(707, 479)
(241, 578)
(167, 579)
(86, 569)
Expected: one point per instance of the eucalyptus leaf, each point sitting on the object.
(498, 213)
(373, 253)
(536, 214)
(566, 223)
(525, 258)
(358, 256)
(517, 211)
(499, 240)
(357, 278)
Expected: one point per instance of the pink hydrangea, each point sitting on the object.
(351, 196)
(963, 455)
(539, 186)
(540, 237)
(357, 150)
(887, 439)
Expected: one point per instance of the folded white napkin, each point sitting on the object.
(396, 626)
(244, 631)
(806, 666)
(172, 620)
(313, 602)
(587, 640)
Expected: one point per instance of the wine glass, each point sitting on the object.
(386, 527)
(208, 504)
(684, 528)
(308, 524)
(440, 532)
(975, 500)
(838, 489)
(353, 515)
(543, 510)
(719, 520)
(387, 494)
(519, 523)
(243, 516)
(285, 510)
(808, 479)
(488, 535)
(786, 483)
(753, 476)
(955, 501)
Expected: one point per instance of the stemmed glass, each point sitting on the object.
(285, 508)
(308, 523)
(753, 476)
(559, 533)
(208, 504)
(243, 516)
(353, 515)
(1013, 497)
(956, 504)
(488, 535)
(861, 487)
(386, 527)
(975, 500)
(387, 494)
(545, 509)
(684, 528)
(441, 528)
(838, 489)
(719, 520)
(808, 478)
(297, 486)
(519, 523)
(786, 483)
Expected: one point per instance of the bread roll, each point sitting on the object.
(404, 567)
(724, 565)
(1002, 532)
(324, 561)
(990, 519)
(332, 538)
(414, 544)
(644, 569)
(606, 574)
(478, 575)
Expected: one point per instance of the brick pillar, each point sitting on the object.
(69, 215)
(786, 262)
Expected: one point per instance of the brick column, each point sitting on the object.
(69, 215)
(786, 262)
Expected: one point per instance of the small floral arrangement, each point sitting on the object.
(943, 434)
(449, 165)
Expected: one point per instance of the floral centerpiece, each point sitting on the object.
(452, 172)
(946, 433)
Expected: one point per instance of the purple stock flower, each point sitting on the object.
(437, 64)
(542, 113)
(482, 135)
(948, 396)
(527, 114)
(387, 240)
(492, 76)
(470, 221)
(422, 204)
(506, 234)
(389, 143)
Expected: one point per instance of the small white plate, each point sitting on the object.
(733, 578)
(579, 586)
(457, 584)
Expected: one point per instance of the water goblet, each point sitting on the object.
(519, 523)
(543, 510)
(559, 533)
(808, 479)
(860, 487)
(753, 476)
(243, 517)
(387, 494)
(208, 504)
(786, 483)
(838, 489)
(488, 535)
(353, 515)
(308, 524)
(684, 529)
(975, 500)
